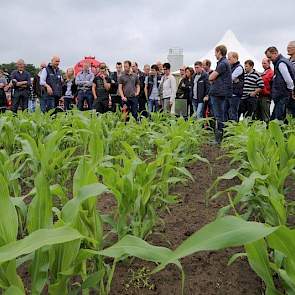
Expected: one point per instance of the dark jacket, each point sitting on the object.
(185, 89)
(203, 86)
(279, 87)
(238, 84)
(150, 84)
(114, 83)
(74, 88)
(54, 80)
(141, 77)
(36, 86)
(222, 86)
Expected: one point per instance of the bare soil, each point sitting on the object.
(206, 272)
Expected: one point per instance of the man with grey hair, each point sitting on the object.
(291, 52)
(20, 83)
(282, 89)
(51, 85)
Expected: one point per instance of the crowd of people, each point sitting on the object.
(230, 91)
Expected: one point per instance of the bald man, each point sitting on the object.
(291, 52)
(51, 85)
(20, 83)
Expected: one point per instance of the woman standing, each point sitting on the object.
(185, 89)
(69, 89)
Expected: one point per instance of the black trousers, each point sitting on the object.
(142, 106)
(248, 107)
(20, 98)
(116, 102)
(101, 106)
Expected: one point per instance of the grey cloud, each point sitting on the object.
(139, 30)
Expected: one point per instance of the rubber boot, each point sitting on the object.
(218, 136)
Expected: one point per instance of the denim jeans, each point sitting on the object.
(32, 105)
(232, 108)
(47, 103)
(153, 105)
(82, 96)
(279, 111)
(218, 103)
(198, 109)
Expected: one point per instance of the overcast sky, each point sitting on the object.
(141, 30)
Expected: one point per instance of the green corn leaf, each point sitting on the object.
(36, 240)
(222, 233)
(8, 215)
(258, 259)
(13, 290)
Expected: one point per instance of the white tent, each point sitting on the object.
(233, 44)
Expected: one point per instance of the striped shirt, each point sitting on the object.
(252, 81)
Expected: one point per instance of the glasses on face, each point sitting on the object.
(102, 68)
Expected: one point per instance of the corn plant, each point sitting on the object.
(266, 159)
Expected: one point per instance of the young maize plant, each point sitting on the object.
(266, 158)
(61, 241)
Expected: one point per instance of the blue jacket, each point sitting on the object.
(279, 88)
(54, 80)
(222, 86)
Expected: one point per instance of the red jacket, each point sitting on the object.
(267, 78)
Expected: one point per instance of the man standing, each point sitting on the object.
(232, 103)
(221, 88)
(264, 99)
(282, 89)
(84, 81)
(152, 83)
(207, 66)
(129, 89)
(100, 90)
(114, 91)
(51, 85)
(141, 98)
(291, 53)
(168, 86)
(20, 83)
(253, 85)
(200, 89)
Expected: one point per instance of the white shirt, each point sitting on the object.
(169, 87)
(286, 75)
(237, 72)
